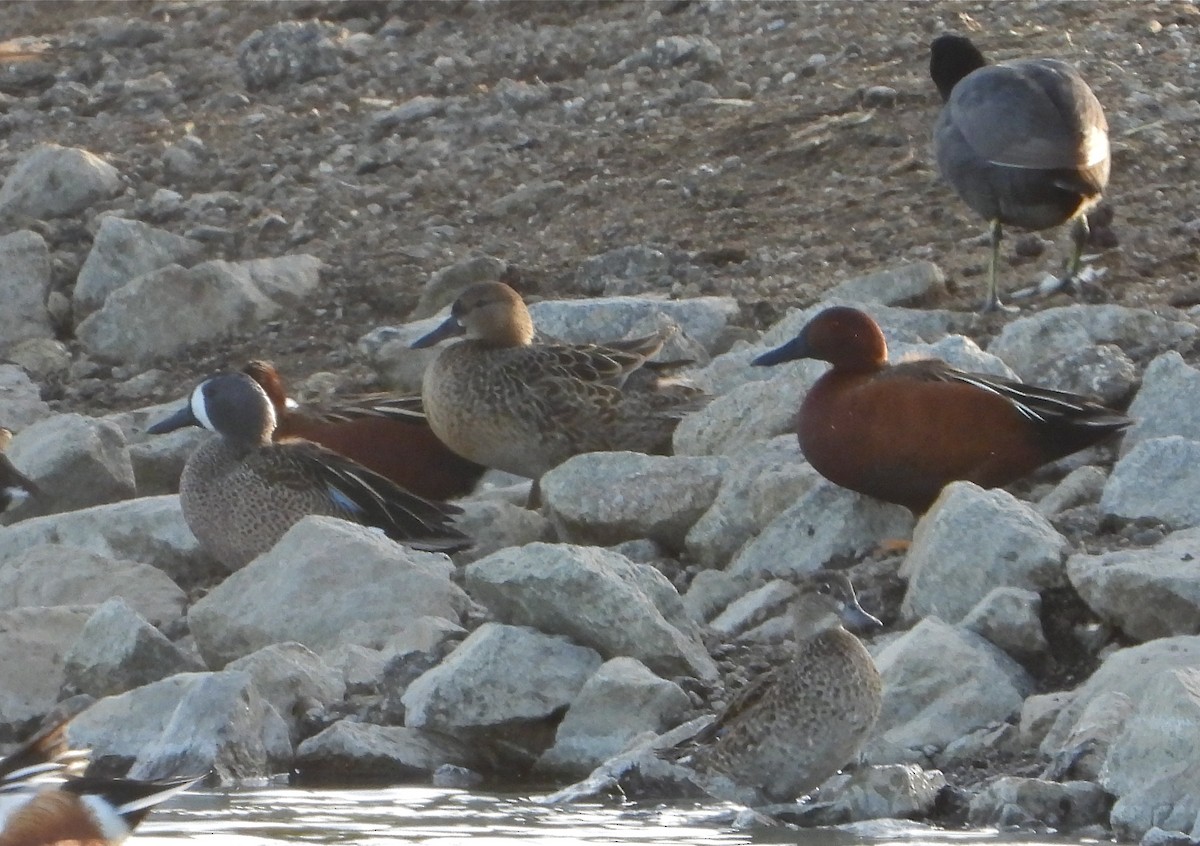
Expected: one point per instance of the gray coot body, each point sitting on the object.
(1024, 143)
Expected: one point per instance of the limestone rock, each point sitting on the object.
(620, 702)
(1147, 593)
(77, 461)
(24, 286)
(33, 642)
(20, 398)
(286, 595)
(394, 754)
(294, 680)
(53, 181)
(1156, 479)
(604, 498)
(61, 574)
(118, 651)
(597, 598)
(972, 541)
(123, 250)
(1026, 802)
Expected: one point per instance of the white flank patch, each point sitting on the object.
(1095, 146)
(18, 495)
(108, 822)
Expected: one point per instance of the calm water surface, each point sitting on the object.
(282, 815)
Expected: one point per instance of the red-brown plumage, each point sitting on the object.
(400, 446)
(902, 432)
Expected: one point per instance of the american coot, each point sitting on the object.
(902, 432)
(1023, 142)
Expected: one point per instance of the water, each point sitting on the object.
(281, 815)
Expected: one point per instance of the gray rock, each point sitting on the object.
(1147, 593)
(389, 349)
(163, 312)
(1033, 344)
(712, 590)
(1161, 837)
(500, 683)
(891, 791)
(77, 461)
(702, 319)
(972, 541)
(53, 181)
(118, 651)
(827, 521)
(289, 52)
(762, 408)
(24, 286)
(1010, 801)
(151, 530)
(33, 642)
(42, 358)
(1151, 766)
(1081, 486)
(759, 482)
(625, 270)
(61, 574)
(125, 249)
(1010, 618)
(522, 97)
(1038, 714)
(395, 754)
(622, 701)
(1103, 371)
(188, 723)
(752, 608)
(658, 497)
(540, 196)
(940, 683)
(1156, 479)
(493, 524)
(158, 461)
(414, 110)
(597, 598)
(674, 50)
(360, 666)
(1165, 404)
(21, 402)
(1084, 751)
(444, 286)
(893, 286)
(284, 594)
(994, 742)
(294, 680)
(1126, 671)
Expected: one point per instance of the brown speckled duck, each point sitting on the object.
(795, 726)
(240, 492)
(504, 401)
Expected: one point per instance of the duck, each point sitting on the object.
(384, 432)
(1024, 143)
(15, 487)
(500, 399)
(45, 801)
(793, 727)
(240, 491)
(902, 432)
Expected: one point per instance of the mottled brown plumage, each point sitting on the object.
(240, 492)
(504, 401)
(797, 725)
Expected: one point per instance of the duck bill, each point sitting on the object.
(181, 418)
(449, 328)
(791, 351)
(856, 619)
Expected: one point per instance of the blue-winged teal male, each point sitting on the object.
(795, 726)
(383, 432)
(240, 492)
(1024, 143)
(500, 399)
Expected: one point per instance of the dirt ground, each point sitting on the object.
(796, 176)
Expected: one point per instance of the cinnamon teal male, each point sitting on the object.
(240, 492)
(15, 487)
(45, 802)
(902, 432)
(386, 433)
(500, 399)
(1024, 143)
(795, 726)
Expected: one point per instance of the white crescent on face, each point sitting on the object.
(198, 410)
